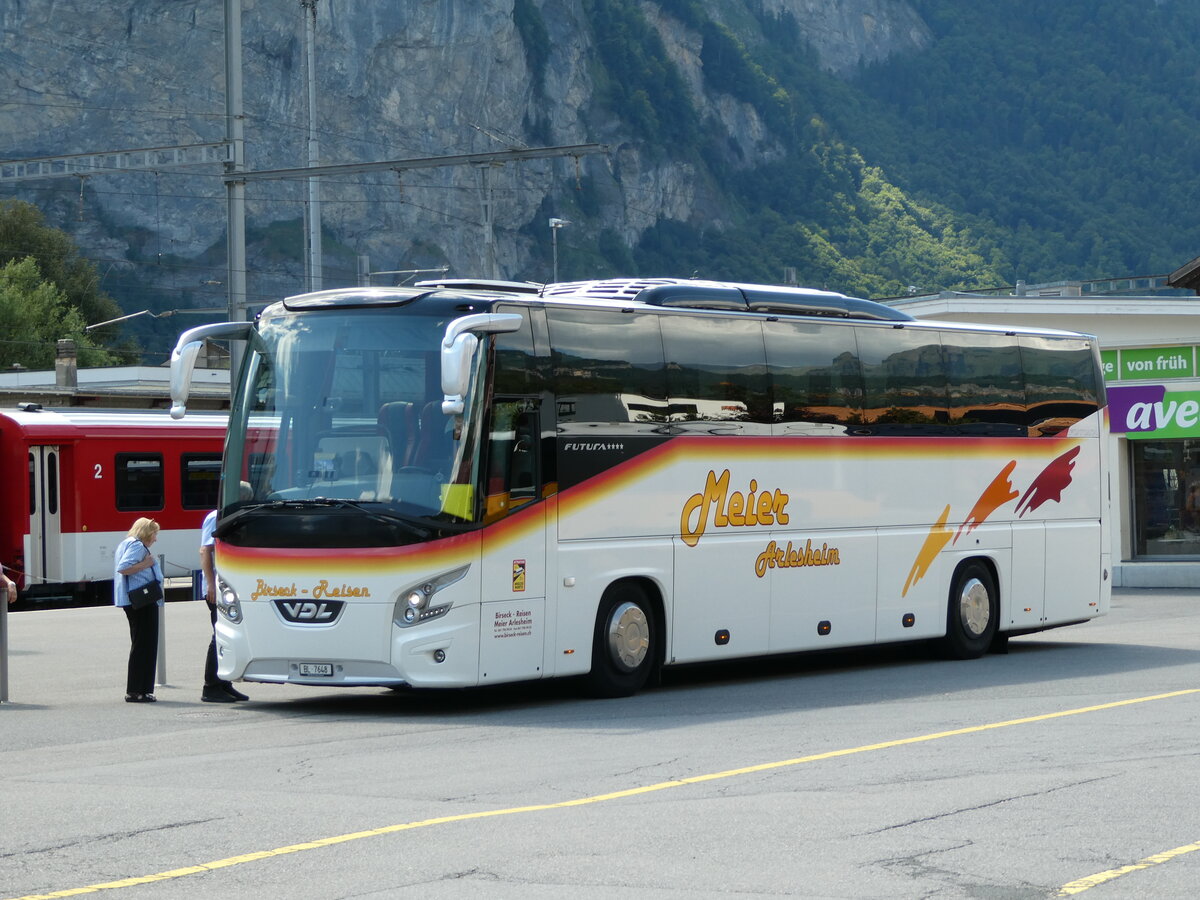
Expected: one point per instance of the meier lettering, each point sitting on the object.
(736, 509)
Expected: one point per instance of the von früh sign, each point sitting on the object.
(1147, 363)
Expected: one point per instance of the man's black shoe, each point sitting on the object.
(214, 694)
(233, 692)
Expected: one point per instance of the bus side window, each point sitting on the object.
(816, 377)
(715, 369)
(985, 384)
(904, 381)
(1060, 383)
(512, 479)
(608, 369)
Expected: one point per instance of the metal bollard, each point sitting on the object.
(161, 681)
(3, 649)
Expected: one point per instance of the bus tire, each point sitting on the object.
(973, 613)
(623, 644)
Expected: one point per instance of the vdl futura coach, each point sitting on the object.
(463, 483)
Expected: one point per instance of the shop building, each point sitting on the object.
(1150, 351)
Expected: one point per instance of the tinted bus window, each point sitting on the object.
(985, 384)
(139, 481)
(815, 375)
(716, 370)
(199, 480)
(1060, 383)
(904, 381)
(517, 367)
(608, 366)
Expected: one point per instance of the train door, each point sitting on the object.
(43, 557)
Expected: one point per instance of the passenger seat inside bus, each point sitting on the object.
(433, 443)
(398, 421)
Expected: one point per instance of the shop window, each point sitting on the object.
(1166, 498)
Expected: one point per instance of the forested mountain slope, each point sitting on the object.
(870, 146)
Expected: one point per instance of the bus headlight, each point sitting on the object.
(415, 605)
(227, 603)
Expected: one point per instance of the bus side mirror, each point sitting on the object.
(183, 361)
(458, 353)
(456, 371)
(187, 348)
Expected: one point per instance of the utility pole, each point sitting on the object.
(555, 224)
(235, 184)
(313, 211)
(487, 210)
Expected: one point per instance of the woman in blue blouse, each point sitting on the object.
(135, 567)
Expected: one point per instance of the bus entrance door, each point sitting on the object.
(513, 614)
(43, 553)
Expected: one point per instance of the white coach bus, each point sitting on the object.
(464, 483)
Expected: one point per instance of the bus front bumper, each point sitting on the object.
(441, 653)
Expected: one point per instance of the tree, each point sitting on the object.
(23, 233)
(34, 315)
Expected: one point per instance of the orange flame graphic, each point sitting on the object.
(999, 492)
(938, 537)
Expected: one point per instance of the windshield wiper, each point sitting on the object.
(381, 515)
(413, 525)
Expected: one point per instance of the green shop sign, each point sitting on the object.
(1149, 363)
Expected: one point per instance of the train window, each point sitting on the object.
(52, 483)
(139, 481)
(199, 480)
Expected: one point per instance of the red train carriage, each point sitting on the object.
(76, 479)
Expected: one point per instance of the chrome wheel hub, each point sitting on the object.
(974, 607)
(628, 636)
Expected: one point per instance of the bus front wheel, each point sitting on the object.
(973, 616)
(623, 643)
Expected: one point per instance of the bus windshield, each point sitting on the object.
(343, 409)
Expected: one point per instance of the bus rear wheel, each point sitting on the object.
(623, 643)
(973, 614)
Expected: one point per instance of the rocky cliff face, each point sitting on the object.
(396, 80)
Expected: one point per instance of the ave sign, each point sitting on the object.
(1150, 411)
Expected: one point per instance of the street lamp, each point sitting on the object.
(556, 224)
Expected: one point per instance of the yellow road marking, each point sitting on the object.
(1082, 884)
(615, 795)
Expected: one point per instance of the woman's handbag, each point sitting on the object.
(145, 595)
(139, 598)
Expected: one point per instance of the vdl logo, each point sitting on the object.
(306, 612)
